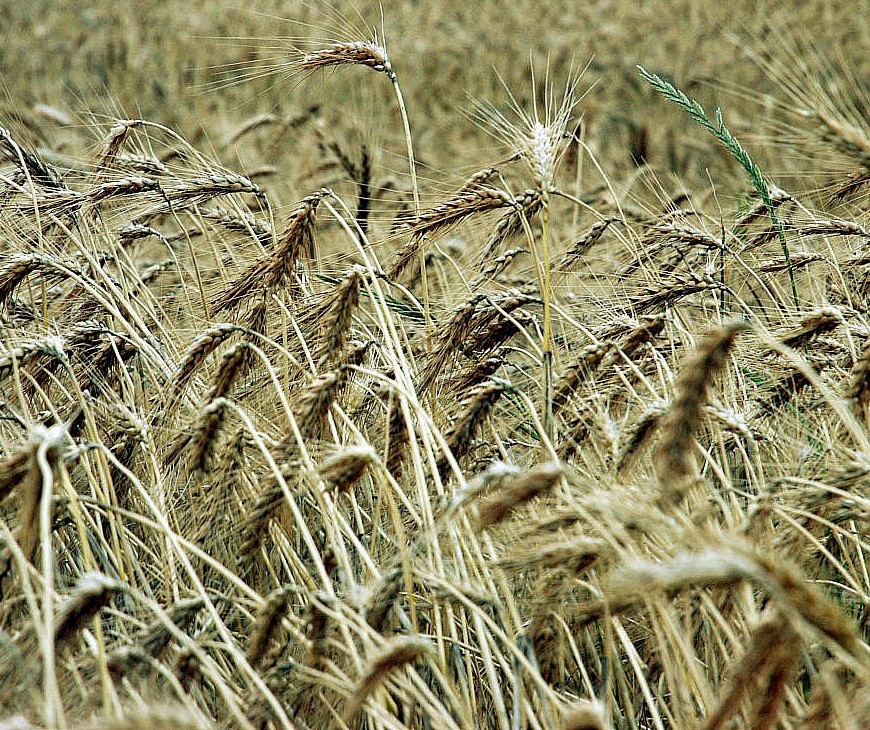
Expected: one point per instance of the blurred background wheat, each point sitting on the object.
(432, 365)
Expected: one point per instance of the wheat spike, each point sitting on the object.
(92, 592)
(394, 654)
(517, 492)
(675, 463)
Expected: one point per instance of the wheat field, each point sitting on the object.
(434, 365)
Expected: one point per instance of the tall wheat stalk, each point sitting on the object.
(539, 139)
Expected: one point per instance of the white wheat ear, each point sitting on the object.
(540, 137)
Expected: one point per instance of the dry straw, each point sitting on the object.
(341, 510)
(154, 717)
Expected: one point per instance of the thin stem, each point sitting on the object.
(202, 298)
(780, 232)
(412, 165)
(54, 714)
(542, 271)
(547, 346)
(415, 190)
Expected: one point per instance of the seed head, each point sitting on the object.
(539, 139)
(359, 53)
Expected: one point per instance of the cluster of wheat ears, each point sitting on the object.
(526, 455)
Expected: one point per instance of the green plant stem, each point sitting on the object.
(730, 142)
